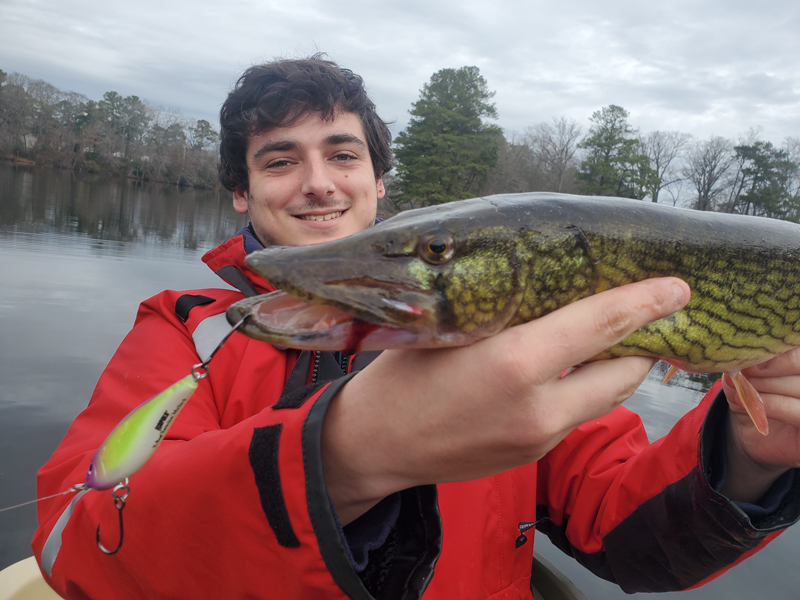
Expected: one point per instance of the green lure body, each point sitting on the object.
(134, 440)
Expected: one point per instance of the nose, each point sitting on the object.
(317, 181)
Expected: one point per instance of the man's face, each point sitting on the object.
(309, 183)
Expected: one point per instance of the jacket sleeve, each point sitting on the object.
(644, 515)
(232, 504)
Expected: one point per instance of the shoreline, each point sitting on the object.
(20, 161)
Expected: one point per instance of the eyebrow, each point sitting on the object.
(335, 139)
(344, 138)
(277, 146)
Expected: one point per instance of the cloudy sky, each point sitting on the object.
(702, 67)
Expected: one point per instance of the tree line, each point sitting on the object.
(448, 151)
(120, 135)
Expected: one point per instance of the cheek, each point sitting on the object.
(275, 196)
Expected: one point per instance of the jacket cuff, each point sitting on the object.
(370, 531)
(782, 500)
(407, 559)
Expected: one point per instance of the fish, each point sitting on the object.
(448, 275)
(134, 440)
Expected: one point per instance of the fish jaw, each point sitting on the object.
(284, 320)
(389, 295)
(346, 295)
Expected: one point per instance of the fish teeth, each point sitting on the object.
(327, 217)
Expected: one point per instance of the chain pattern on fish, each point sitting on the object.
(517, 257)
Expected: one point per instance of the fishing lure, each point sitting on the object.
(134, 440)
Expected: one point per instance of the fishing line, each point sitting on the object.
(121, 492)
(75, 488)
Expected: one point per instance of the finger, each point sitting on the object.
(575, 333)
(784, 364)
(780, 400)
(597, 388)
(788, 385)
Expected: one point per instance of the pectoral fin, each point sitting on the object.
(752, 401)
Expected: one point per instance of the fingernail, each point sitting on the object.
(680, 294)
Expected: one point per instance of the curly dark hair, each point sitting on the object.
(277, 94)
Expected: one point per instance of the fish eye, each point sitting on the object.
(436, 247)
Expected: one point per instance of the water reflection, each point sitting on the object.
(46, 200)
(78, 255)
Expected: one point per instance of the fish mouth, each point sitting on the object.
(283, 320)
(347, 295)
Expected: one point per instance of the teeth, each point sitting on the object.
(327, 217)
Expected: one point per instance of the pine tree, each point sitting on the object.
(447, 152)
(615, 165)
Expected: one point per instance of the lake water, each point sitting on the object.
(77, 256)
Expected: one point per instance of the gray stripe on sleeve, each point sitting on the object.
(53, 543)
(209, 333)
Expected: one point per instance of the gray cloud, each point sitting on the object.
(713, 67)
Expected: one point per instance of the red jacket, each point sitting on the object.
(233, 503)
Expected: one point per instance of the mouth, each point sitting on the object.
(325, 217)
(283, 320)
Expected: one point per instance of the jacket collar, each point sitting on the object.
(228, 258)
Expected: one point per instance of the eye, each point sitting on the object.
(278, 164)
(436, 247)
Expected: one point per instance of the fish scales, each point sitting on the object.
(514, 258)
(737, 267)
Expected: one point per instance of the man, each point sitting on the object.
(284, 478)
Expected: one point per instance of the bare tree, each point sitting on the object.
(516, 169)
(554, 147)
(662, 148)
(707, 164)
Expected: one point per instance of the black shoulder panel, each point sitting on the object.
(187, 302)
(263, 455)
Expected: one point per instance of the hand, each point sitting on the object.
(756, 461)
(417, 417)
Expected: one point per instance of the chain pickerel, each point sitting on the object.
(451, 274)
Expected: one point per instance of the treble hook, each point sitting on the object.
(120, 495)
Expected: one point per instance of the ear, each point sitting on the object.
(381, 189)
(240, 201)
